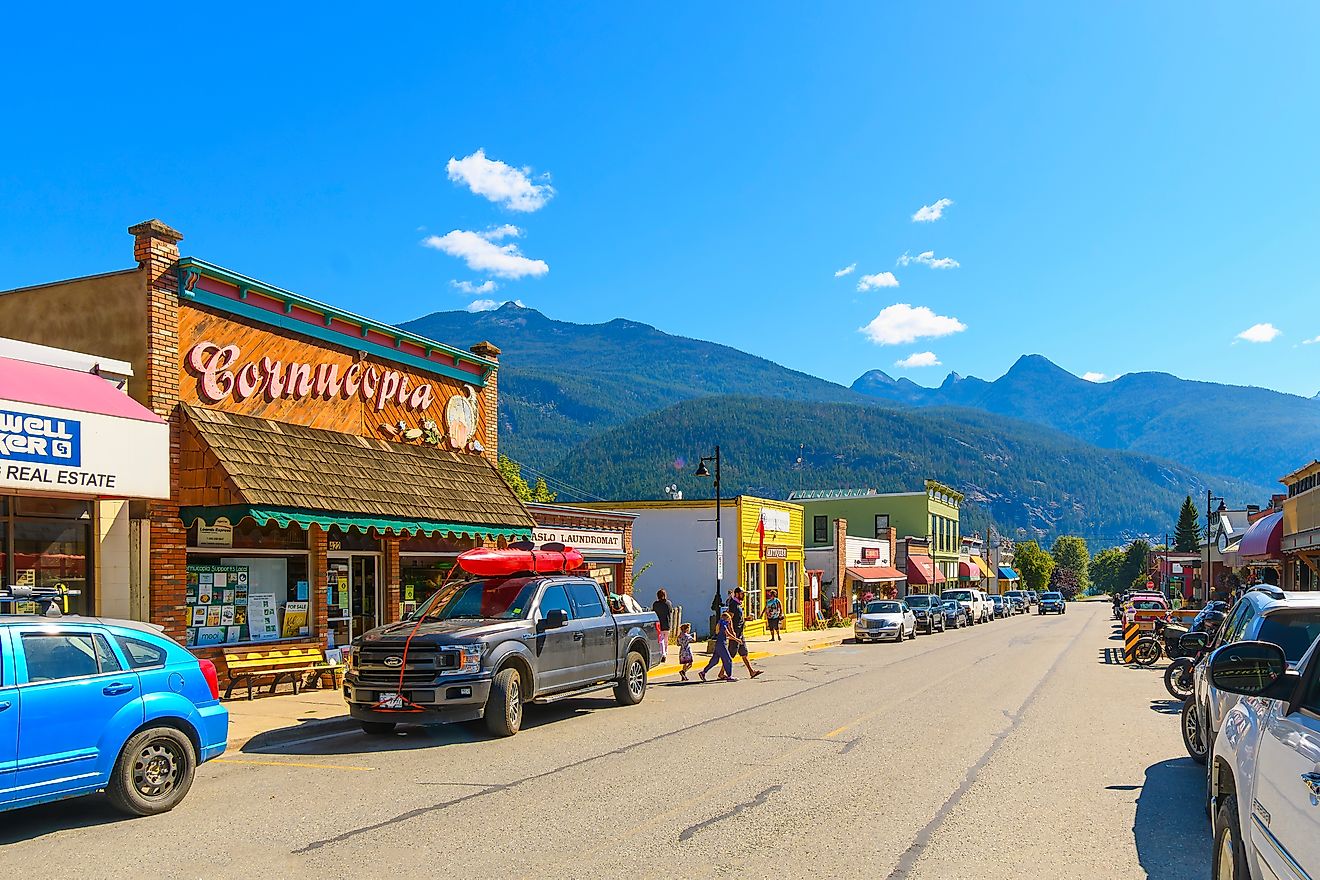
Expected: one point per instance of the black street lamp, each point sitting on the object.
(718, 602)
(1210, 498)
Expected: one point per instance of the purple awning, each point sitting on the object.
(1263, 537)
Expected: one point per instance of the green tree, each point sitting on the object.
(511, 471)
(1187, 534)
(1106, 569)
(541, 492)
(1071, 555)
(1136, 566)
(1034, 564)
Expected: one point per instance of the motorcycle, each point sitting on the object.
(1178, 678)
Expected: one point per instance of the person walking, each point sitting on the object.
(723, 636)
(685, 639)
(774, 616)
(665, 613)
(735, 612)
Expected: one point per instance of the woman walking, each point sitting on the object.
(774, 616)
(723, 636)
(664, 612)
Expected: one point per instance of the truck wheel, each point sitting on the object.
(630, 690)
(1230, 855)
(153, 772)
(504, 707)
(377, 728)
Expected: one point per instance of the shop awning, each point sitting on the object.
(76, 433)
(986, 570)
(1007, 574)
(967, 571)
(1263, 538)
(874, 573)
(921, 570)
(238, 466)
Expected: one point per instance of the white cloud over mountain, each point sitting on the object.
(501, 183)
(902, 323)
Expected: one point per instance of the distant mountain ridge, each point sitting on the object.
(1252, 434)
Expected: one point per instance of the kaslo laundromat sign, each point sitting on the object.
(585, 540)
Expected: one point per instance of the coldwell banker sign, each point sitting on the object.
(46, 449)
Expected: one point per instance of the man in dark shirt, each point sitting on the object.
(665, 613)
(735, 609)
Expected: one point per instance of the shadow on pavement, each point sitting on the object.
(33, 822)
(1171, 831)
(1167, 707)
(410, 737)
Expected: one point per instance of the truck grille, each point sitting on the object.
(424, 664)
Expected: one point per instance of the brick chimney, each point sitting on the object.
(491, 401)
(156, 249)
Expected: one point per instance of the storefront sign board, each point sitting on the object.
(49, 449)
(775, 520)
(589, 541)
(263, 619)
(218, 534)
(776, 552)
(295, 619)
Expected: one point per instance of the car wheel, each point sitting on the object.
(631, 690)
(153, 772)
(1230, 857)
(1193, 733)
(377, 728)
(504, 707)
(899, 637)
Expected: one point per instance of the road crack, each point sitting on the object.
(757, 801)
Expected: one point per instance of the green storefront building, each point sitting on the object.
(931, 514)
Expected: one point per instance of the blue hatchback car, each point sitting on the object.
(91, 705)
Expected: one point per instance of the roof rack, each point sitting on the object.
(50, 600)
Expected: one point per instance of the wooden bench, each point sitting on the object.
(292, 662)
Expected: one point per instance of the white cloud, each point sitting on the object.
(479, 251)
(1260, 333)
(928, 258)
(879, 279)
(500, 183)
(919, 359)
(469, 287)
(931, 213)
(1311, 341)
(1097, 377)
(846, 270)
(902, 323)
(490, 305)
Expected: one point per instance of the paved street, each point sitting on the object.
(1004, 751)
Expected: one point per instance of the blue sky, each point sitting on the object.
(1132, 184)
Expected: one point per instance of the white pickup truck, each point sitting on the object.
(1263, 785)
(979, 608)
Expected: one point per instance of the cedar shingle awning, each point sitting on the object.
(236, 466)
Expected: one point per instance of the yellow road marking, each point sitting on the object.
(836, 731)
(292, 764)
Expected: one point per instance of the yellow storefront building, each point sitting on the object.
(770, 559)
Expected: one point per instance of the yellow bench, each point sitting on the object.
(294, 662)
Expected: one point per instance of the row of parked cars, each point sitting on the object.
(898, 619)
(1253, 720)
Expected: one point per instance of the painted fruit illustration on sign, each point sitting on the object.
(461, 418)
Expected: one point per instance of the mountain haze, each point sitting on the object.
(1251, 434)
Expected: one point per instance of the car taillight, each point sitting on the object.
(212, 679)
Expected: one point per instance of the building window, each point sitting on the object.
(752, 576)
(791, 588)
(47, 542)
(820, 529)
(882, 525)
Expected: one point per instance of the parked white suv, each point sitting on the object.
(1263, 785)
(979, 609)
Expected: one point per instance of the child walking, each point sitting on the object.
(723, 636)
(685, 640)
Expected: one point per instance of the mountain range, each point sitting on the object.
(606, 410)
(1252, 434)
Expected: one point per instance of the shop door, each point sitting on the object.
(353, 596)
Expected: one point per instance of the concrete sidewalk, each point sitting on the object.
(285, 717)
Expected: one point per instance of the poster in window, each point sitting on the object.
(212, 615)
(199, 615)
(295, 619)
(263, 620)
(204, 594)
(227, 615)
(240, 615)
(240, 595)
(228, 596)
(300, 591)
(191, 638)
(234, 634)
(210, 635)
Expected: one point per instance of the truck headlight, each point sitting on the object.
(469, 658)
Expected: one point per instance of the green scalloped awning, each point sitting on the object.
(304, 517)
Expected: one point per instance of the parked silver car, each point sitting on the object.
(885, 619)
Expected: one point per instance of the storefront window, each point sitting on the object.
(791, 588)
(752, 577)
(420, 578)
(50, 551)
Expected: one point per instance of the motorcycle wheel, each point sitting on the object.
(1178, 679)
(1146, 652)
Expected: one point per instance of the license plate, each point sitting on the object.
(390, 701)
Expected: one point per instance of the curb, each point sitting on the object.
(284, 736)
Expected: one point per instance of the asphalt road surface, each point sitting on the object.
(1008, 750)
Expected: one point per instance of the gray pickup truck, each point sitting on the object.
(488, 645)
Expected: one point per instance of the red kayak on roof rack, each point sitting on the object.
(519, 558)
